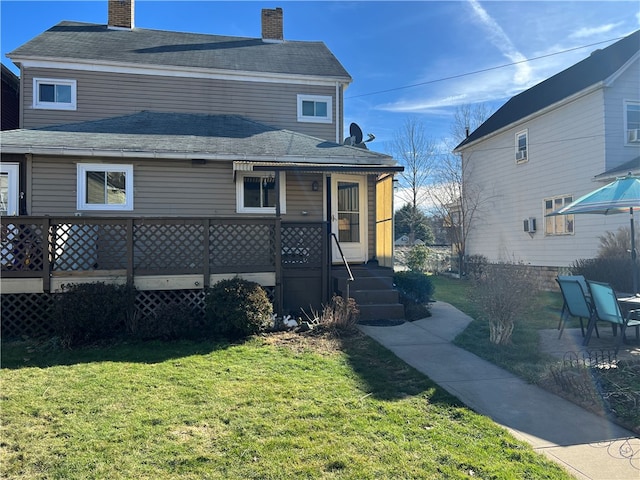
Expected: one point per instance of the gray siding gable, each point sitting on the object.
(82, 42)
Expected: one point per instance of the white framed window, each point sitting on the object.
(558, 224)
(632, 122)
(54, 94)
(315, 108)
(256, 192)
(104, 186)
(522, 146)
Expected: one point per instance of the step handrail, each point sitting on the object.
(346, 264)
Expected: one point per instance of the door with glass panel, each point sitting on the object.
(348, 217)
(8, 207)
(8, 189)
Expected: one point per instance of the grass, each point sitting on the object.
(261, 409)
(524, 358)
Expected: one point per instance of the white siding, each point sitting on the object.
(626, 87)
(566, 150)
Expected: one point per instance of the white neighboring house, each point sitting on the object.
(548, 146)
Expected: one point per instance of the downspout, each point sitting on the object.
(338, 116)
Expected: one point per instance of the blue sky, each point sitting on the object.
(406, 58)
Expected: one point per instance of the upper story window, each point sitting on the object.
(314, 108)
(522, 146)
(632, 122)
(256, 192)
(558, 224)
(54, 94)
(104, 187)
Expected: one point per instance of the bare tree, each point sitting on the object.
(415, 151)
(454, 195)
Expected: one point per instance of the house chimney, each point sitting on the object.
(121, 14)
(272, 28)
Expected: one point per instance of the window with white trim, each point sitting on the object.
(54, 94)
(315, 108)
(632, 122)
(256, 192)
(522, 146)
(104, 187)
(558, 224)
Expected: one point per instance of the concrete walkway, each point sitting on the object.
(585, 444)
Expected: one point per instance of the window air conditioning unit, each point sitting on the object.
(633, 135)
(521, 155)
(530, 225)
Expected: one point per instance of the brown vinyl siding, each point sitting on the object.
(166, 188)
(270, 103)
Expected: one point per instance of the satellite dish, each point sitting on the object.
(356, 132)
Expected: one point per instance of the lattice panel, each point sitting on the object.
(241, 246)
(75, 247)
(21, 247)
(26, 314)
(111, 247)
(149, 302)
(168, 247)
(301, 245)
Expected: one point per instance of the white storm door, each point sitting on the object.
(9, 189)
(349, 217)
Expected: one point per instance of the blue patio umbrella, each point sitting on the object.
(619, 196)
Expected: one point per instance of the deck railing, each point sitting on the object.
(42, 247)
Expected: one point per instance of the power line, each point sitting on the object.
(480, 71)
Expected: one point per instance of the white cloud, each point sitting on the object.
(500, 40)
(587, 32)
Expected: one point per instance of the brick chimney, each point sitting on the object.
(121, 14)
(272, 28)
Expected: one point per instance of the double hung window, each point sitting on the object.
(632, 122)
(522, 147)
(558, 224)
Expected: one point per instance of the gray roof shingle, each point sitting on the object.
(599, 66)
(180, 135)
(69, 41)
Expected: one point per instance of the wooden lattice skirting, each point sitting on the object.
(29, 314)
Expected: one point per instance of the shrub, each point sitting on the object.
(417, 258)
(86, 313)
(415, 290)
(416, 286)
(237, 308)
(169, 322)
(476, 264)
(339, 314)
(503, 293)
(613, 264)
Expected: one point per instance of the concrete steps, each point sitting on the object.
(372, 289)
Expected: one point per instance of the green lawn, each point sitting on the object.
(523, 357)
(240, 411)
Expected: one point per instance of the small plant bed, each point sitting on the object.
(611, 390)
(315, 404)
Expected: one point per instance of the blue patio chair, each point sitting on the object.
(606, 308)
(577, 302)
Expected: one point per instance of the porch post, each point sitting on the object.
(47, 250)
(130, 251)
(278, 300)
(206, 266)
